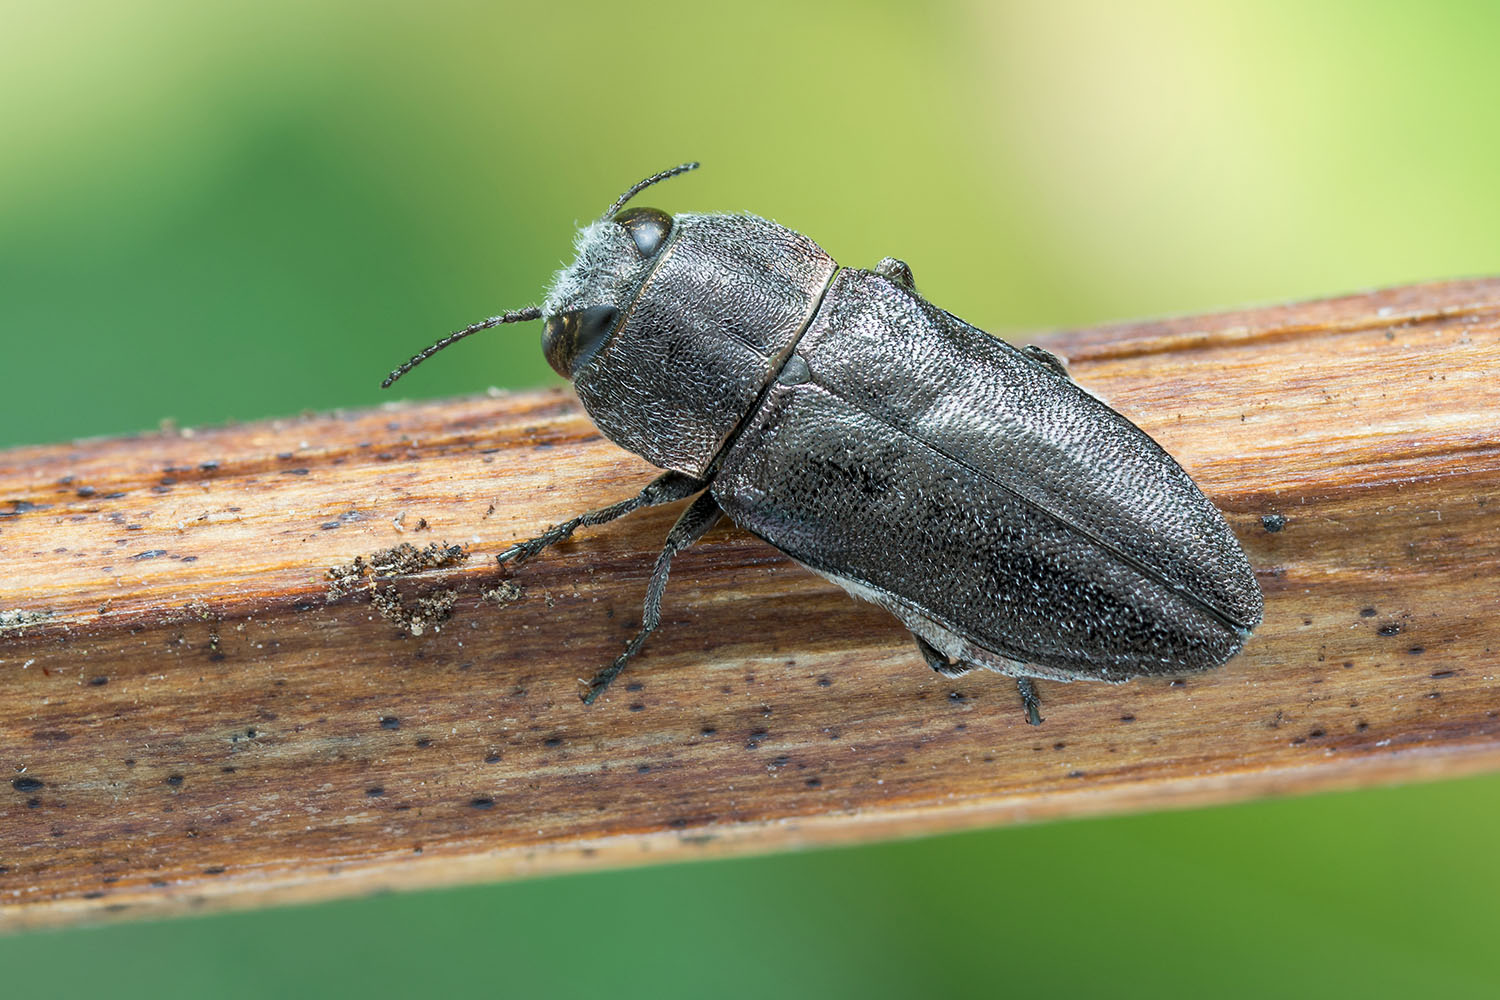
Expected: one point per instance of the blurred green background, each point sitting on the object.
(229, 211)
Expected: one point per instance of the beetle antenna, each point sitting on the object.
(514, 316)
(643, 185)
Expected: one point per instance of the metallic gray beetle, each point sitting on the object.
(1008, 518)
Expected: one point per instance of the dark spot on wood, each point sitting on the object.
(708, 730)
(294, 472)
(26, 784)
(1367, 612)
(643, 769)
(634, 686)
(637, 707)
(1178, 683)
(374, 791)
(149, 554)
(214, 870)
(1316, 734)
(678, 823)
(98, 681)
(94, 894)
(1273, 522)
(1127, 718)
(1058, 746)
(1416, 651)
(756, 738)
(482, 802)
(389, 722)
(957, 697)
(424, 743)
(85, 492)
(1389, 629)
(552, 741)
(1361, 725)
(175, 780)
(824, 682)
(1440, 674)
(33, 803)
(1075, 774)
(493, 758)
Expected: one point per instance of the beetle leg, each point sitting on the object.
(666, 488)
(691, 526)
(1047, 360)
(937, 661)
(1029, 700)
(898, 272)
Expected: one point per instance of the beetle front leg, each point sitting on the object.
(666, 488)
(691, 526)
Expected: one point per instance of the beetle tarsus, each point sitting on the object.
(694, 523)
(666, 488)
(1030, 701)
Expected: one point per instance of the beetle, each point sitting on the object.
(1010, 519)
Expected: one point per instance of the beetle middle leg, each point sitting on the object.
(898, 272)
(703, 514)
(666, 488)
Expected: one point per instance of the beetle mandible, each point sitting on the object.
(1008, 518)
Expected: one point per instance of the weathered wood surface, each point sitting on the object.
(186, 719)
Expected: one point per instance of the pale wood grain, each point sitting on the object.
(187, 720)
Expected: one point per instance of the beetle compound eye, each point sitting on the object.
(647, 226)
(571, 339)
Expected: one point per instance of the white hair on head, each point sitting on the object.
(605, 260)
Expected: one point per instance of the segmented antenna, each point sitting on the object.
(643, 185)
(514, 316)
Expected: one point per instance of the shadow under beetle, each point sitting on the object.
(1008, 518)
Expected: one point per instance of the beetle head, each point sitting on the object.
(612, 258)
